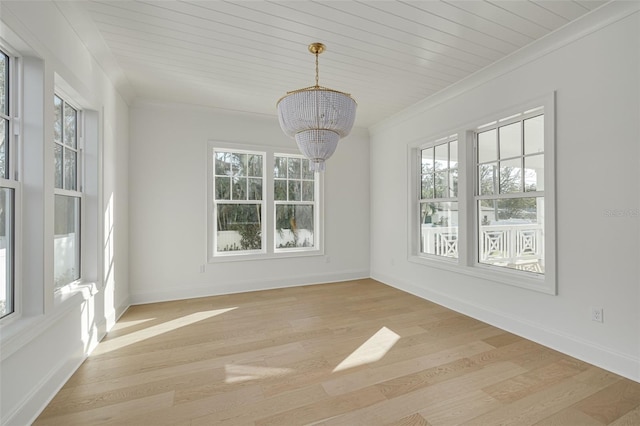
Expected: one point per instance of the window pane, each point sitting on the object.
(511, 140)
(487, 178)
(439, 229)
(280, 168)
(442, 157)
(66, 243)
(510, 233)
(280, 190)
(57, 124)
(294, 226)
(239, 189)
(4, 142)
(307, 173)
(534, 135)
(238, 164)
(307, 191)
(57, 151)
(223, 188)
(255, 189)
(487, 146)
(70, 126)
(427, 190)
(534, 173)
(4, 84)
(239, 227)
(295, 190)
(255, 165)
(6, 251)
(295, 168)
(511, 176)
(453, 183)
(441, 184)
(453, 154)
(427, 160)
(70, 169)
(223, 164)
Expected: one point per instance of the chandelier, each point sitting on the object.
(317, 117)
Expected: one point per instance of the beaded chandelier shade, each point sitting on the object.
(317, 117)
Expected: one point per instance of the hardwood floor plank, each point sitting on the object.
(569, 417)
(412, 420)
(612, 402)
(632, 418)
(352, 353)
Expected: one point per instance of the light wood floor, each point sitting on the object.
(354, 353)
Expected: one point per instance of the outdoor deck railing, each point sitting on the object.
(506, 244)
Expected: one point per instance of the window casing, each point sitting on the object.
(294, 204)
(439, 198)
(509, 198)
(238, 201)
(10, 188)
(273, 209)
(67, 140)
(505, 199)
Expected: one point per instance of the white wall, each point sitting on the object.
(596, 75)
(168, 181)
(43, 348)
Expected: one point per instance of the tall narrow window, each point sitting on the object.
(510, 192)
(8, 189)
(68, 194)
(439, 198)
(295, 203)
(238, 183)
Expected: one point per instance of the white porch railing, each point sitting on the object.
(505, 245)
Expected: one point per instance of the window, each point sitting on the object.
(263, 203)
(294, 194)
(68, 194)
(484, 199)
(239, 201)
(9, 188)
(439, 198)
(510, 192)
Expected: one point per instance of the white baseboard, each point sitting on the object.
(30, 407)
(39, 397)
(217, 289)
(623, 364)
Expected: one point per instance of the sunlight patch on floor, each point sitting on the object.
(147, 333)
(242, 373)
(121, 325)
(370, 351)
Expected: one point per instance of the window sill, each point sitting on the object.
(530, 281)
(23, 330)
(232, 257)
(75, 290)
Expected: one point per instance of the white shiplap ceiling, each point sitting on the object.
(244, 55)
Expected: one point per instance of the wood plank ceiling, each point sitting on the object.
(244, 55)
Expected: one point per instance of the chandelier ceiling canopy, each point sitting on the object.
(317, 117)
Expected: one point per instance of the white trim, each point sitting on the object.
(467, 263)
(268, 250)
(587, 24)
(227, 287)
(620, 363)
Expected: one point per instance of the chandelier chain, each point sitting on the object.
(317, 71)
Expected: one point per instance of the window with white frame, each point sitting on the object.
(484, 202)
(295, 203)
(263, 202)
(9, 186)
(439, 198)
(509, 196)
(238, 202)
(68, 193)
